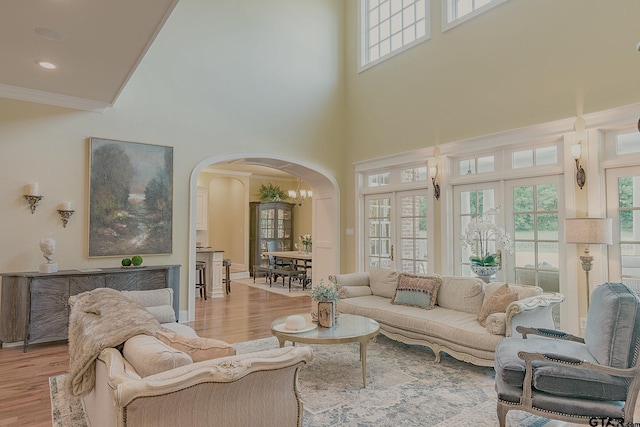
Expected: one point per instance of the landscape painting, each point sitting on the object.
(130, 198)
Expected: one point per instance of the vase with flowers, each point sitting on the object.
(325, 302)
(479, 234)
(305, 239)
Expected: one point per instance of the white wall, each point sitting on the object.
(224, 76)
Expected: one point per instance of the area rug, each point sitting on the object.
(276, 288)
(405, 387)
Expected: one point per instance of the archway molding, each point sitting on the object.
(325, 210)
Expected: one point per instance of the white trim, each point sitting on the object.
(326, 193)
(56, 99)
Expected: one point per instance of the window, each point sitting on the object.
(478, 165)
(390, 26)
(455, 12)
(378, 179)
(628, 143)
(535, 157)
(413, 174)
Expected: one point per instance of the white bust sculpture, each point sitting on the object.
(48, 247)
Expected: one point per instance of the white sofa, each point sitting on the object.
(452, 325)
(257, 389)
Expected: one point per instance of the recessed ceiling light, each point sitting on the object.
(49, 34)
(46, 64)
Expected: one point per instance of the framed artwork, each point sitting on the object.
(130, 198)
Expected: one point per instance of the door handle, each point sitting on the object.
(391, 252)
(499, 259)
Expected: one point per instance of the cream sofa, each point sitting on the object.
(452, 325)
(256, 389)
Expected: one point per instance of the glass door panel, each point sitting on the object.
(378, 238)
(471, 201)
(412, 232)
(623, 206)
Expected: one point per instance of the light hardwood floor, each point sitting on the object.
(244, 315)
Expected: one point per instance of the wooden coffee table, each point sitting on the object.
(349, 328)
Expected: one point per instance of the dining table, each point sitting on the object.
(299, 259)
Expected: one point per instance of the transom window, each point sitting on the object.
(455, 12)
(390, 26)
(476, 165)
(535, 157)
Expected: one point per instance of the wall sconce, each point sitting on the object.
(576, 152)
(433, 172)
(33, 196)
(65, 212)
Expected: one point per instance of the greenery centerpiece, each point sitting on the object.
(322, 293)
(272, 192)
(479, 233)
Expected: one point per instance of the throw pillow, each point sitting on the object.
(416, 291)
(497, 302)
(496, 323)
(164, 313)
(353, 291)
(383, 282)
(149, 356)
(198, 349)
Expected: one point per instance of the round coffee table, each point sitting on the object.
(348, 328)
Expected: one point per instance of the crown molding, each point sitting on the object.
(48, 98)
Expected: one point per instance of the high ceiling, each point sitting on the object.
(96, 45)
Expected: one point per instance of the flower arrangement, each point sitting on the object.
(479, 232)
(322, 292)
(305, 239)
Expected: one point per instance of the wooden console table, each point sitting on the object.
(35, 308)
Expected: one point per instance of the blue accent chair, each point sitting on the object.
(556, 375)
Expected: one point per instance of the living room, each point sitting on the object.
(279, 84)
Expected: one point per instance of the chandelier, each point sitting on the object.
(298, 196)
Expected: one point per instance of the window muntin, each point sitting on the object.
(477, 165)
(535, 157)
(455, 12)
(413, 233)
(416, 174)
(378, 179)
(389, 27)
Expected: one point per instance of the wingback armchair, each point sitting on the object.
(581, 380)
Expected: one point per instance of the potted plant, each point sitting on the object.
(326, 300)
(272, 192)
(481, 230)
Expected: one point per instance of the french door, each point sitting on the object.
(396, 234)
(623, 206)
(529, 213)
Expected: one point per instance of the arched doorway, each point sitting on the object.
(325, 206)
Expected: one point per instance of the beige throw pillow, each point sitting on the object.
(497, 302)
(198, 349)
(149, 355)
(383, 282)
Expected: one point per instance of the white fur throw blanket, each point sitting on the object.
(100, 319)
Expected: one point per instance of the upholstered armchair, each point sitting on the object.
(560, 376)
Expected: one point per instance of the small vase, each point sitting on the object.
(307, 248)
(326, 314)
(484, 272)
